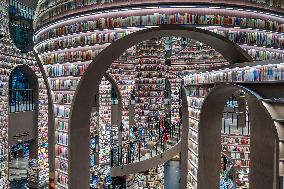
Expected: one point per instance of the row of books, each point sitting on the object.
(258, 73)
(160, 18)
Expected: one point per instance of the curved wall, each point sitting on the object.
(258, 32)
(52, 10)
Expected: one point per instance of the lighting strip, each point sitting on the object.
(148, 7)
(134, 29)
(72, 49)
(124, 30)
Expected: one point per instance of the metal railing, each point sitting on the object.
(145, 148)
(21, 100)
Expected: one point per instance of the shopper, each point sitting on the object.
(165, 135)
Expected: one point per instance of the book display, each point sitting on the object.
(70, 34)
(251, 37)
(156, 16)
(182, 18)
(149, 82)
(257, 73)
(43, 164)
(95, 173)
(105, 121)
(10, 57)
(149, 94)
(175, 98)
(49, 10)
(172, 45)
(4, 17)
(4, 77)
(94, 141)
(74, 56)
(100, 130)
(100, 177)
(197, 53)
(235, 143)
(123, 71)
(83, 40)
(194, 112)
(153, 179)
(33, 171)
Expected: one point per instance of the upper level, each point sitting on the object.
(51, 10)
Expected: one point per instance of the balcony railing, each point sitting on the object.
(145, 148)
(21, 100)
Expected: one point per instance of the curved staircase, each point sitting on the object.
(147, 152)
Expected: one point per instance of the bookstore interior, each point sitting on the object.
(142, 94)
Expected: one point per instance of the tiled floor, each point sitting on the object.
(18, 173)
(172, 174)
(21, 184)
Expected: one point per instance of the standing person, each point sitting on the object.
(165, 136)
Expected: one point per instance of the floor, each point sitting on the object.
(21, 184)
(172, 174)
(18, 173)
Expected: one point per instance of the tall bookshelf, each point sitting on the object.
(235, 141)
(149, 99)
(123, 71)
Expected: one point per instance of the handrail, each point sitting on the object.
(21, 89)
(131, 152)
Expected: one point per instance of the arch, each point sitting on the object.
(116, 113)
(263, 137)
(29, 72)
(184, 138)
(27, 130)
(51, 126)
(119, 98)
(32, 82)
(81, 106)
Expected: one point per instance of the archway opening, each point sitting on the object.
(235, 143)
(23, 129)
(21, 93)
(261, 142)
(115, 50)
(104, 132)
